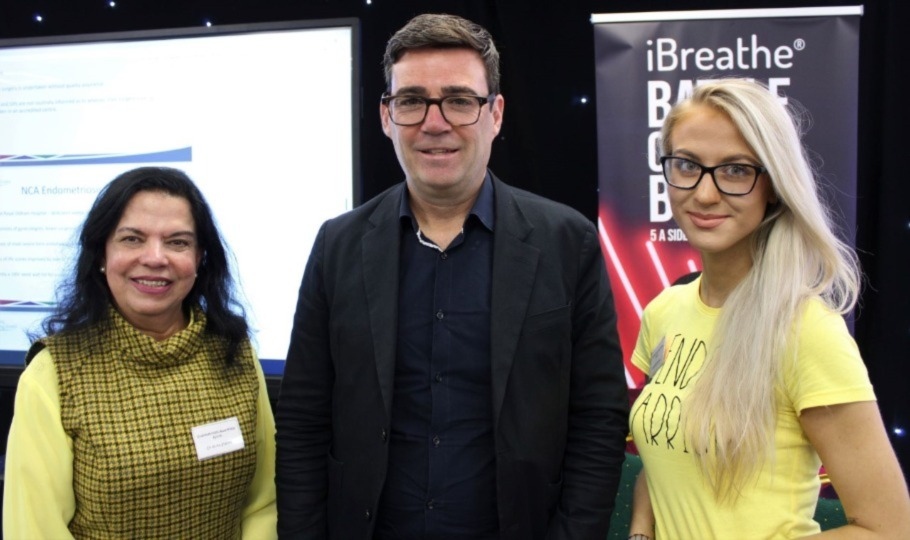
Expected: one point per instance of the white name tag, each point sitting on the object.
(217, 438)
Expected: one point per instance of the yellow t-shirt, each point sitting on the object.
(781, 501)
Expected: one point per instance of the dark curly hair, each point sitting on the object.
(84, 298)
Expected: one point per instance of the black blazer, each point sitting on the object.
(560, 403)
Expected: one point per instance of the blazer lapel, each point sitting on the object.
(514, 270)
(380, 247)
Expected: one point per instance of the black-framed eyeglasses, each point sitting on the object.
(410, 110)
(730, 178)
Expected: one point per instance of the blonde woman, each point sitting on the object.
(754, 379)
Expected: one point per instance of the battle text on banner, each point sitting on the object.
(646, 62)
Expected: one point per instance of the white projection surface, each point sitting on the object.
(262, 121)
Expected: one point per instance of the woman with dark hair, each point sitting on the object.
(143, 412)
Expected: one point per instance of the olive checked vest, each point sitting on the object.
(128, 403)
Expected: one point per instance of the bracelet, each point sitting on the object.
(639, 536)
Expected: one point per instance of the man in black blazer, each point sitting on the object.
(454, 368)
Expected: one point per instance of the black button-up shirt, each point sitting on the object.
(441, 479)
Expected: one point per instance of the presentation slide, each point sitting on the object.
(262, 120)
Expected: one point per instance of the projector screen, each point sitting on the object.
(262, 117)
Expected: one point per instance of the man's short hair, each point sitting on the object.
(443, 31)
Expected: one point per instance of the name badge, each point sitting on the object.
(218, 438)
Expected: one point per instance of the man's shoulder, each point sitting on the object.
(538, 209)
(388, 200)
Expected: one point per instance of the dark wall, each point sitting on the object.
(548, 141)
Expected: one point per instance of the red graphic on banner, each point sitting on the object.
(642, 261)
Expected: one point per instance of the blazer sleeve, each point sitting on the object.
(598, 405)
(303, 416)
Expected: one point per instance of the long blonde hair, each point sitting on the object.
(796, 256)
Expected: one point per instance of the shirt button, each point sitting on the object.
(430, 504)
(367, 515)
(436, 440)
(383, 434)
(443, 255)
(440, 315)
(438, 377)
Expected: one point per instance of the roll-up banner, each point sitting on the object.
(646, 62)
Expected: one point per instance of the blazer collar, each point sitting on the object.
(379, 248)
(515, 264)
(514, 270)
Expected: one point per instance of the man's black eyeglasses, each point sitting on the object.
(409, 110)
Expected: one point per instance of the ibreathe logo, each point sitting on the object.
(665, 54)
